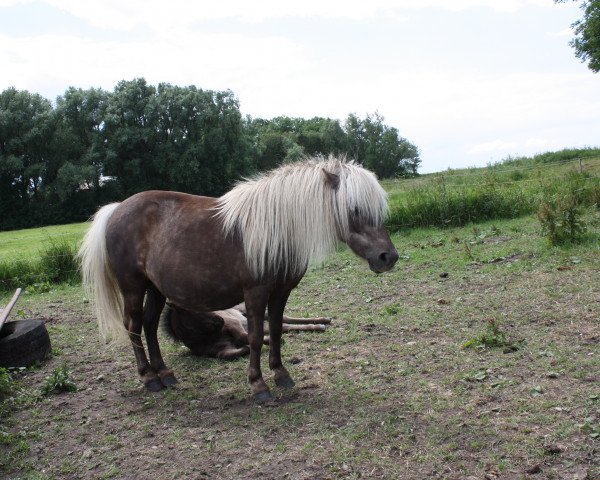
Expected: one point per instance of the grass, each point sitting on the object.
(389, 391)
(510, 189)
(507, 190)
(47, 256)
(28, 244)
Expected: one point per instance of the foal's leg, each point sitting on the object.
(231, 352)
(276, 306)
(256, 303)
(134, 314)
(155, 302)
(304, 328)
(306, 321)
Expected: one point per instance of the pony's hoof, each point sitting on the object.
(154, 385)
(285, 382)
(169, 380)
(264, 398)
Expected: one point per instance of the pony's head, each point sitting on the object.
(296, 214)
(361, 208)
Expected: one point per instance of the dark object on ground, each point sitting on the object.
(23, 342)
(224, 334)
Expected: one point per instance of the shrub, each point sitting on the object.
(561, 221)
(58, 263)
(17, 273)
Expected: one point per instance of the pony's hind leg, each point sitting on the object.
(134, 316)
(155, 302)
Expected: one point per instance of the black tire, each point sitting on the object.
(23, 342)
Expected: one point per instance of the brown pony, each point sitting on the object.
(224, 334)
(203, 254)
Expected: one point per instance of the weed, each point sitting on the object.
(468, 252)
(392, 309)
(17, 272)
(561, 221)
(492, 337)
(58, 382)
(5, 383)
(38, 287)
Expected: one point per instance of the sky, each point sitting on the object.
(469, 82)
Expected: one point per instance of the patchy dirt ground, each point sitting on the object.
(389, 391)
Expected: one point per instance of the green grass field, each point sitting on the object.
(29, 243)
(476, 357)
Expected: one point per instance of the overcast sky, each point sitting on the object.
(468, 81)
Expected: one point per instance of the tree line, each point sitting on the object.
(59, 162)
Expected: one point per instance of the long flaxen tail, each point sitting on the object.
(98, 279)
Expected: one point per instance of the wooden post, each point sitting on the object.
(4, 313)
(580, 166)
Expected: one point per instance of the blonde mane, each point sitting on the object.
(293, 216)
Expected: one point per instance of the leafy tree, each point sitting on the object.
(58, 164)
(380, 147)
(202, 147)
(26, 130)
(79, 139)
(130, 134)
(587, 34)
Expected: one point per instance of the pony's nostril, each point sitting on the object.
(388, 258)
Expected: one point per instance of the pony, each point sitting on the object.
(224, 334)
(203, 254)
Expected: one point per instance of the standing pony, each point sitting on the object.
(253, 244)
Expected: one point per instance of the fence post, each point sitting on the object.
(580, 166)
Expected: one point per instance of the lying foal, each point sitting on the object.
(223, 334)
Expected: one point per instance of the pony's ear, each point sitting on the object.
(331, 179)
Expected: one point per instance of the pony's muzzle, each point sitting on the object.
(384, 261)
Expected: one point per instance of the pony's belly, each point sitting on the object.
(194, 299)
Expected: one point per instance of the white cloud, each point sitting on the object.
(38, 63)
(567, 32)
(492, 147)
(159, 15)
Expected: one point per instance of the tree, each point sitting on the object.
(202, 146)
(130, 135)
(78, 138)
(380, 148)
(587, 34)
(26, 130)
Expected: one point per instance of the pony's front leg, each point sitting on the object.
(276, 306)
(256, 303)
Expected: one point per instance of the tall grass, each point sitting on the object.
(56, 263)
(498, 192)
